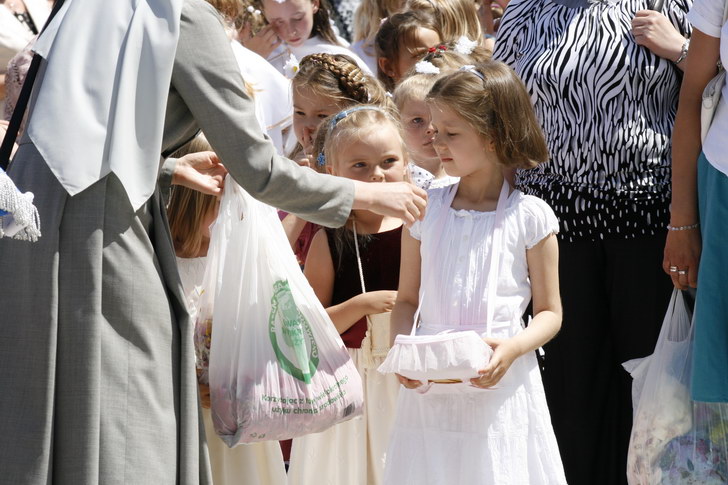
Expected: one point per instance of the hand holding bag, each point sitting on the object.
(450, 357)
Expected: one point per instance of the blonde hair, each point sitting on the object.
(494, 101)
(413, 88)
(338, 77)
(236, 14)
(346, 126)
(369, 15)
(188, 208)
(453, 18)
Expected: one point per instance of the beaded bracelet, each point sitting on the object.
(683, 228)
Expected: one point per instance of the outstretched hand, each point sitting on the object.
(396, 199)
(200, 171)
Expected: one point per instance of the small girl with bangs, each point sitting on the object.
(401, 41)
(481, 254)
(354, 271)
(324, 85)
(303, 27)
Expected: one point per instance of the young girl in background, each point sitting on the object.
(304, 28)
(453, 18)
(324, 85)
(400, 42)
(190, 215)
(362, 143)
(367, 19)
(495, 429)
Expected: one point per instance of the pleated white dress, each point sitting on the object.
(454, 433)
(257, 463)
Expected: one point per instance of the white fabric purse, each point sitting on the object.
(450, 357)
(712, 92)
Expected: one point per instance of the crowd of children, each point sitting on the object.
(368, 117)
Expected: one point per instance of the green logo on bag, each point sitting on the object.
(288, 324)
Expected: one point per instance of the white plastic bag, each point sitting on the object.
(278, 368)
(661, 399)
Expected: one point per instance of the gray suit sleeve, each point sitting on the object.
(207, 78)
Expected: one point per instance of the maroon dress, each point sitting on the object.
(380, 254)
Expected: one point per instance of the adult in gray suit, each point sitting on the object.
(98, 382)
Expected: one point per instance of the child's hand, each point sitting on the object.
(408, 383)
(504, 353)
(377, 301)
(262, 43)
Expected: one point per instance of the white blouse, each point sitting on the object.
(455, 261)
(707, 16)
(191, 272)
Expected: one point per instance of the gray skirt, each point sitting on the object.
(97, 363)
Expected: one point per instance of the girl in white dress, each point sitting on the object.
(304, 28)
(496, 428)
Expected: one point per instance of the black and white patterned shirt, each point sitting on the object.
(607, 106)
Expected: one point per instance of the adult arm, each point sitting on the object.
(682, 248)
(654, 30)
(207, 78)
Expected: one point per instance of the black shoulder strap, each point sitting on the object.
(22, 104)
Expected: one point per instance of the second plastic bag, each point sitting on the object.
(278, 368)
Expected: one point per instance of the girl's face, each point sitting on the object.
(375, 155)
(418, 131)
(309, 110)
(292, 20)
(412, 51)
(461, 148)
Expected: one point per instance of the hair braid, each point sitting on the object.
(351, 78)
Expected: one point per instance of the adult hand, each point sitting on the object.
(653, 30)
(408, 383)
(504, 353)
(262, 43)
(681, 257)
(395, 199)
(200, 171)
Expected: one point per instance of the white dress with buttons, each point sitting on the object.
(498, 436)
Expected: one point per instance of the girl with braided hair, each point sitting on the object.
(324, 85)
(354, 271)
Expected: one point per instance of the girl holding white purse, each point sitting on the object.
(495, 427)
(354, 271)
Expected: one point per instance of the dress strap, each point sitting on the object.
(358, 257)
(495, 250)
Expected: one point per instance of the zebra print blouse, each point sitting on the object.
(607, 107)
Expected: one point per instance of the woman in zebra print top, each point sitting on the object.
(604, 81)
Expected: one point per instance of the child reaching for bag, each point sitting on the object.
(495, 429)
(354, 271)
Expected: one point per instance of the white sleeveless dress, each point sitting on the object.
(454, 433)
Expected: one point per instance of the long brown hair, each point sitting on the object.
(453, 18)
(495, 102)
(396, 33)
(188, 208)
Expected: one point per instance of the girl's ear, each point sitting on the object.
(315, 4)
(386, 66)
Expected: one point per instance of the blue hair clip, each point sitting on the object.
(321, 159)
(471, 69)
